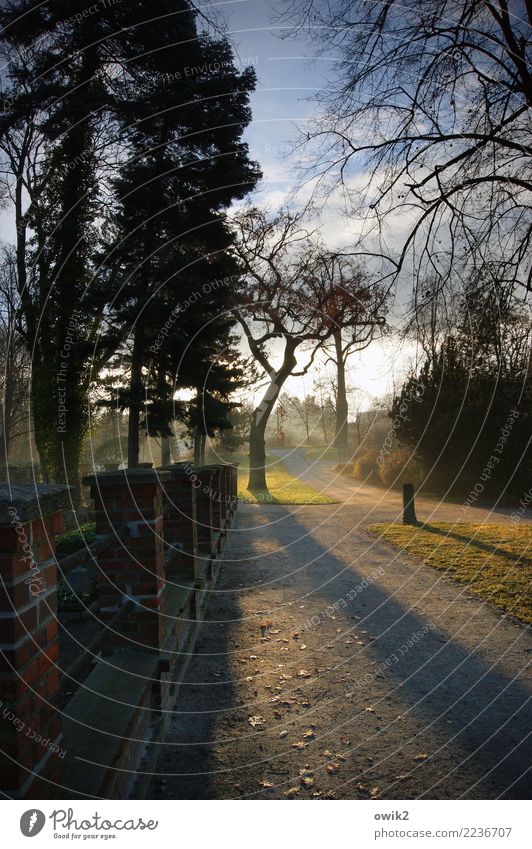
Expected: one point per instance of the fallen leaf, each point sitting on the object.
(374, 792)
(256, 720)
(403, 777)
(309, 734)
(327, 753)
(283, 734)
(264, 783)
(422, 757)
(304, 673)
(333, 768)
(307, 781)
(299, 745)
(291, 793)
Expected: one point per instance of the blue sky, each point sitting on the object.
(288, 77)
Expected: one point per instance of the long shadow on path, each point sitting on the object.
(437, 676)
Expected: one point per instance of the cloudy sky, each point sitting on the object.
(288, 77)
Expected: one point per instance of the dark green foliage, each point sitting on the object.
(76, 540)
(454, 412)
(133, 108)
(169, 253)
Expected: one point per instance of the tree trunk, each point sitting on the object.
(59, 435)
(136, 389)
(199, 448)
(166, 455)
(257, 452)
(257, 447)
(324, 425)
(342, 409)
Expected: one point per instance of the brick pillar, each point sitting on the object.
(216, 495)
(224, 495)
(180, 520)
(202, 481)
(31, 740)
(132, 569)
(233, 485)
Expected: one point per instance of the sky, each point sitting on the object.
(288, 77)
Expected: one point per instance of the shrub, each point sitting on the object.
(399, 467)
(343, 468)
(365, 466)
(75, 540)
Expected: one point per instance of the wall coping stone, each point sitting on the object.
(32, 501)
(127, 476)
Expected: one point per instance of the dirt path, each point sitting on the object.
(377, 676)
(376, 504)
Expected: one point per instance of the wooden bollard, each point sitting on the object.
(409, 509)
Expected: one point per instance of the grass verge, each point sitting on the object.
(283, 487)
(493, 560)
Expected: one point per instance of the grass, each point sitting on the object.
(493, 560)
(283, 487)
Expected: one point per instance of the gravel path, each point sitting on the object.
(376, 677)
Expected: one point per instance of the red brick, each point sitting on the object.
(8, 539)
(16, 658)
(51, 630)
(17, 627)
(58, 522)
(53, 682)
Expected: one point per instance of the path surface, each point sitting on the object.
(377, 677)
(376, 504)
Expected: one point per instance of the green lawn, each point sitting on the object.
(495, 561)
(283, 487)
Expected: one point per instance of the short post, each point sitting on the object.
(132, 569)
(409, 509)
(31, 738)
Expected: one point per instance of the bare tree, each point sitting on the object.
(15, 370)
(433, 101)
(326, 394)
(289, 302)
(273, 306)
(357, 320)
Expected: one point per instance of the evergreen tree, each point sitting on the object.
(169, 256)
